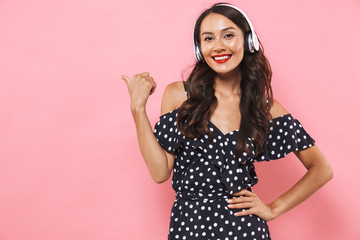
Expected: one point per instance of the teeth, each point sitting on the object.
(222, 58)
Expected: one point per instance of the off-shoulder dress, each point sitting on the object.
(207, 172)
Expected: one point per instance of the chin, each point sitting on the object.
(222, 71)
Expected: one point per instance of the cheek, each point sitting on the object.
(205, 49)
(237, 46)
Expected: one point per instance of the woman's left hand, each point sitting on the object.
(249, 200)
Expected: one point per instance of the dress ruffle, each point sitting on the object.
(167, 133)
(235, 173)
(286, 135)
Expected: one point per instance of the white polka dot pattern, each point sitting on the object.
(287, 135)
(206, 173)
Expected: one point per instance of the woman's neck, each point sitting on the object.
(228, 83)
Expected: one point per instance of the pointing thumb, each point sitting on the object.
(126, 79)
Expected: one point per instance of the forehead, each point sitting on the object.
(215, 22)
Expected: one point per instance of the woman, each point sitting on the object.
(215, 126)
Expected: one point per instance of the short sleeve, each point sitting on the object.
(286, 135)
(167, 133)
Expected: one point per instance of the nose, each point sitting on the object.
(219, 45)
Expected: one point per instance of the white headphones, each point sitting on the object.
(251, 40)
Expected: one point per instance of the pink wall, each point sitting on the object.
(70, 167)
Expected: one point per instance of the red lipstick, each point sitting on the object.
(223, 58)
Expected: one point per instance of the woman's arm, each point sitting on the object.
(140, 87)
(159, 162)
(319, 172)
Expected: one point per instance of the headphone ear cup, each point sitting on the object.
(198, 54)
(248, 41)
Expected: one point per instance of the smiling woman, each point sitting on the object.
(215, 126)
(225, 31)
(221, 40)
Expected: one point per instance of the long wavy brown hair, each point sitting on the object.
(195, 112)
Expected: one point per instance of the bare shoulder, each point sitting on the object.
(277, 110)
(174, 96)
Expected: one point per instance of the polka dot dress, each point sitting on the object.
(206, 172)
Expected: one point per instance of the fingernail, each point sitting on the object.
(230, 206)
(229, 200)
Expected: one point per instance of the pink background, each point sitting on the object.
(70, 167)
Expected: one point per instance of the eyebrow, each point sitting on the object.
(223, 30)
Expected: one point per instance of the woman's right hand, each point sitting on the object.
(140, 87)
(158, 161)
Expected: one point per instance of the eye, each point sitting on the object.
(208, 38)
(229, 35)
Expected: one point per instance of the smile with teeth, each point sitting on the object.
(222, 57)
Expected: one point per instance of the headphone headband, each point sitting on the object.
(251, 40)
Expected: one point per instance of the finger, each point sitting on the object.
(243, 192)
(154, 87)
(152, 90)
(145, 74)
(126, 79)
(241, 205)
(240, 199)
(243, 213)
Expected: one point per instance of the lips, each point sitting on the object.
(223, 58)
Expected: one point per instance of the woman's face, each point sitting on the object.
(222, 43)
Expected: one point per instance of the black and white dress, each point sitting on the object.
(206, 172)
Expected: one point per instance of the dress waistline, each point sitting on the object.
(205, 196)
